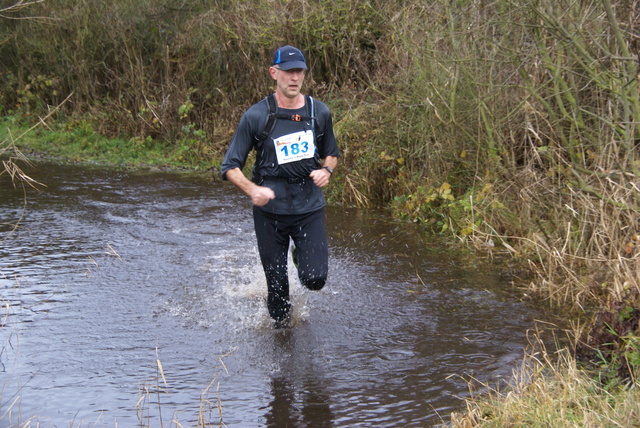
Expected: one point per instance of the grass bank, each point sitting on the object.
(509, 125)
(553, 390)
(78, 141)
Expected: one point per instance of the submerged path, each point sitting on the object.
(138, 298)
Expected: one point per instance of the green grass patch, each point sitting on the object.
(78, 141)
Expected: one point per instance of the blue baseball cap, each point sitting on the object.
(288, 57)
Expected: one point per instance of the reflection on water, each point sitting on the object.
(112, 271)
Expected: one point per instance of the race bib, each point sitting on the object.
(294, 147)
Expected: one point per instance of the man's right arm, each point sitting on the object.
(259, 195)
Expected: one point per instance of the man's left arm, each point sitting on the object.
(328, 147)
(322, 176)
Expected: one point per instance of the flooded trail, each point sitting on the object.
(137, 298)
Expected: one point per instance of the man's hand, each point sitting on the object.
(320, 177)
(260, 195)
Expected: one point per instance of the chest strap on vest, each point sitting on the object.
(273, 115)
(292, 117)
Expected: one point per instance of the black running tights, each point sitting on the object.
(308, 232)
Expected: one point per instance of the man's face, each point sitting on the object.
(288, 82)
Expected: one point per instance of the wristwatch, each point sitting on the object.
(328, 169)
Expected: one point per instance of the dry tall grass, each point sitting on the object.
(551, 390)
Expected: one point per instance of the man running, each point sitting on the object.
(296, 153)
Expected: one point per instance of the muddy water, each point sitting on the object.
(137, 298)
